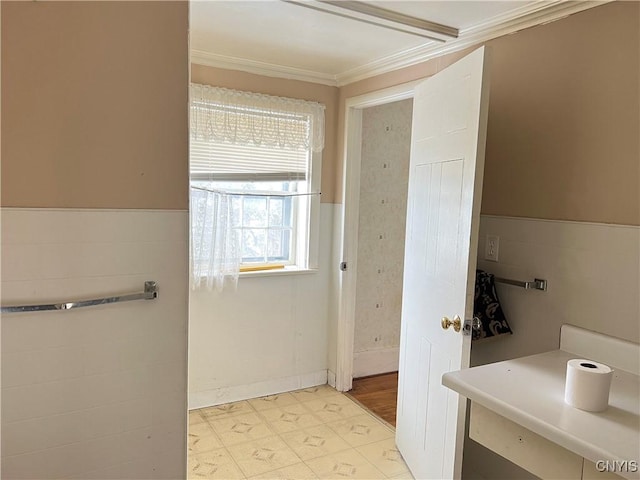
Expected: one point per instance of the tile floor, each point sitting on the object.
(312, 433)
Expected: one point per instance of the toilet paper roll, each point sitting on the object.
(587, 385)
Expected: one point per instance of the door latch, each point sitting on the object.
(471, 325)
(343, 266)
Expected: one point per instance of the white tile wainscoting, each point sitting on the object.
(593, 279)
(98, 392)
(268, 336)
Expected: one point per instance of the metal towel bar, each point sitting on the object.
(537, 284)
(150, 293)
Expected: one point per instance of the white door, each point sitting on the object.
(445, 189)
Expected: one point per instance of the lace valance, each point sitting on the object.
(244, 118)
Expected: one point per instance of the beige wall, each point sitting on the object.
(94, 115)
(95, 104)
(563, 122)
(285, 88)
(562, 139)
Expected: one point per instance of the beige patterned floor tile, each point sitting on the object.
(385, 457)
(200, 429)
(332, 408)
(264, 455)
(195, 417)
(226, 410)
(361, 430)
(299, 471)
(313, 393)
(273, 401)
(289, 418)
(254, 449)
(315, 442)
(345, 464)
(240, 428)
(202, 438)
(216, 464)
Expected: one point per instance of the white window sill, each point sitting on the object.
(292, 270)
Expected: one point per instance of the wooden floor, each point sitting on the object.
(378, 393)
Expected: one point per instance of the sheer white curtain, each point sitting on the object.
(229, 119)
(215, 246)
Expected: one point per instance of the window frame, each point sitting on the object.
(305, 223)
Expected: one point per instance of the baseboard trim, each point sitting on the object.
(373, 362)
(236, 393)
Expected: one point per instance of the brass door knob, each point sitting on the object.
(456, 322)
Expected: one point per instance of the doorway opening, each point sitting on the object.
(378, 394)
(378, 139)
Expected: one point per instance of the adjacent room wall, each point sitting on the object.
(384, 179)
(94, 199)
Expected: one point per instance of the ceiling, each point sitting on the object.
(278, 38)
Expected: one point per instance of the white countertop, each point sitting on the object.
(530, 391)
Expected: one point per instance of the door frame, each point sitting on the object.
(352, 158)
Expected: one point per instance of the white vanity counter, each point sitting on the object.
(529, 391)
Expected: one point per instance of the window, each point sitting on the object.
(265, 217)
(263, 153)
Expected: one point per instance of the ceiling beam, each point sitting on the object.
(396, 17)
(381, 17)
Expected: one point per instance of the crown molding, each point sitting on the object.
(201, 57)
(519, 19)
(524, 17)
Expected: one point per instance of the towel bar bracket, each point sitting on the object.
(538, 284)
(150, 290)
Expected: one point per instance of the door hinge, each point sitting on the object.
(343, 266)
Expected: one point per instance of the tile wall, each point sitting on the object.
(593, 279)
(98, 392)
(268, 336)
